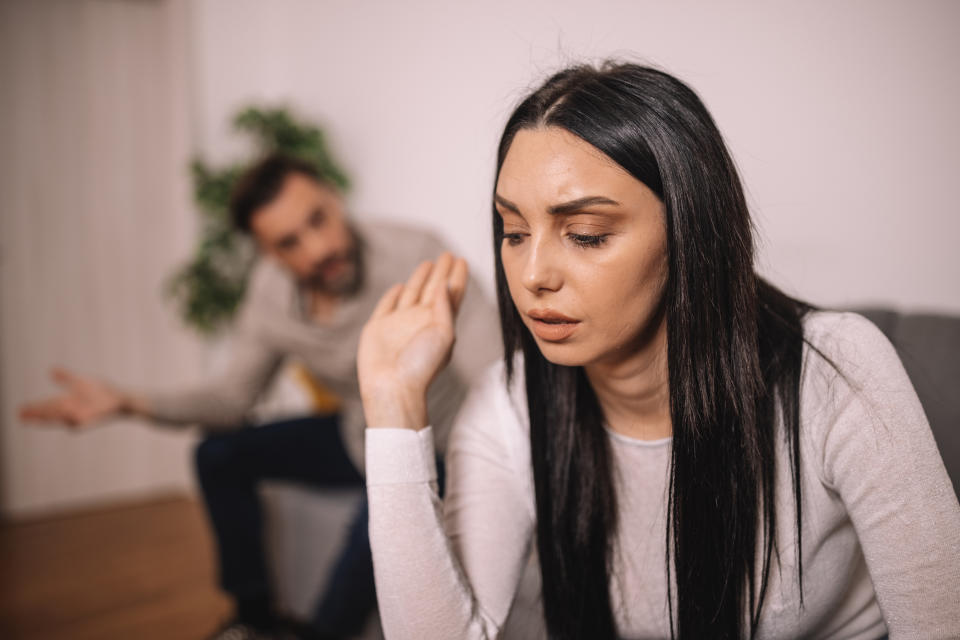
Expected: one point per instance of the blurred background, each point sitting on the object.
(842, 117)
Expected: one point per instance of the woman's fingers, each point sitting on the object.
(438, 278)
(448, 276)
(388, 302)
(412, 291)
(457, 283)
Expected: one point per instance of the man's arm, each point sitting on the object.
(218, 404)
(221, 402)
(84, 402)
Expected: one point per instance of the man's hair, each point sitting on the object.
(261, 183)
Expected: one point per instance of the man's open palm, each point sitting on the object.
(83, 402)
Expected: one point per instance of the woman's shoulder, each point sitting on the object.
(820, 325)
(854, 386)
(850, 344)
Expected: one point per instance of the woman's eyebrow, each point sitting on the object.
(562, 208)
(578, 204)
(506, 204)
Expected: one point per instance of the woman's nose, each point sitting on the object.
(542, 270)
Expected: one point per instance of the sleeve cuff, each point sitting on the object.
(400, 456)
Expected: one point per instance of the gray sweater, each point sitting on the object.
(881, 524)
(272, 325)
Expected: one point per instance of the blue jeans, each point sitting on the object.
(307, 451)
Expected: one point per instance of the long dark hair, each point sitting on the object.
(734, 346)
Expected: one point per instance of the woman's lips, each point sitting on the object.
(551, 326)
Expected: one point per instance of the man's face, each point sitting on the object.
(305, 228)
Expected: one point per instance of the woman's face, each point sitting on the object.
(584, 249)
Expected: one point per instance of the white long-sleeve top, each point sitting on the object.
(881, 523)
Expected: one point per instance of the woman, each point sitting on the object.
(694, 453)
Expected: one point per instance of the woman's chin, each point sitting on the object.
(563, 354)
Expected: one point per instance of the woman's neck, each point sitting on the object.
(634, 392)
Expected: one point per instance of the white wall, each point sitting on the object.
(842, 116)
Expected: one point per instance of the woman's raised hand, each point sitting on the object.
(407, 341)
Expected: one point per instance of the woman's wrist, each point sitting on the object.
(395, 409)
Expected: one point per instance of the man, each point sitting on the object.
(317, 281)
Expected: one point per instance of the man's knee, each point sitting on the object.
(214, 456)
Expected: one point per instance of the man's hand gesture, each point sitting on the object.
(84, 402)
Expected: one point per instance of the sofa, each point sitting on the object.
(305, 527)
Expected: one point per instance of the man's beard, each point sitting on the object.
(346, 284)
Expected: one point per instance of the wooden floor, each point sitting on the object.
(143, 572)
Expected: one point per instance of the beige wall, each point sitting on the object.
(95, 212)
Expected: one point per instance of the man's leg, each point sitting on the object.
(231, 465)
(349, 594)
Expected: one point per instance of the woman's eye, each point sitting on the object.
(513, 239)
(587, 240)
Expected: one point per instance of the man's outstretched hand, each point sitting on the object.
(84, 402)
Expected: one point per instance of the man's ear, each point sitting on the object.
(262, 246)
